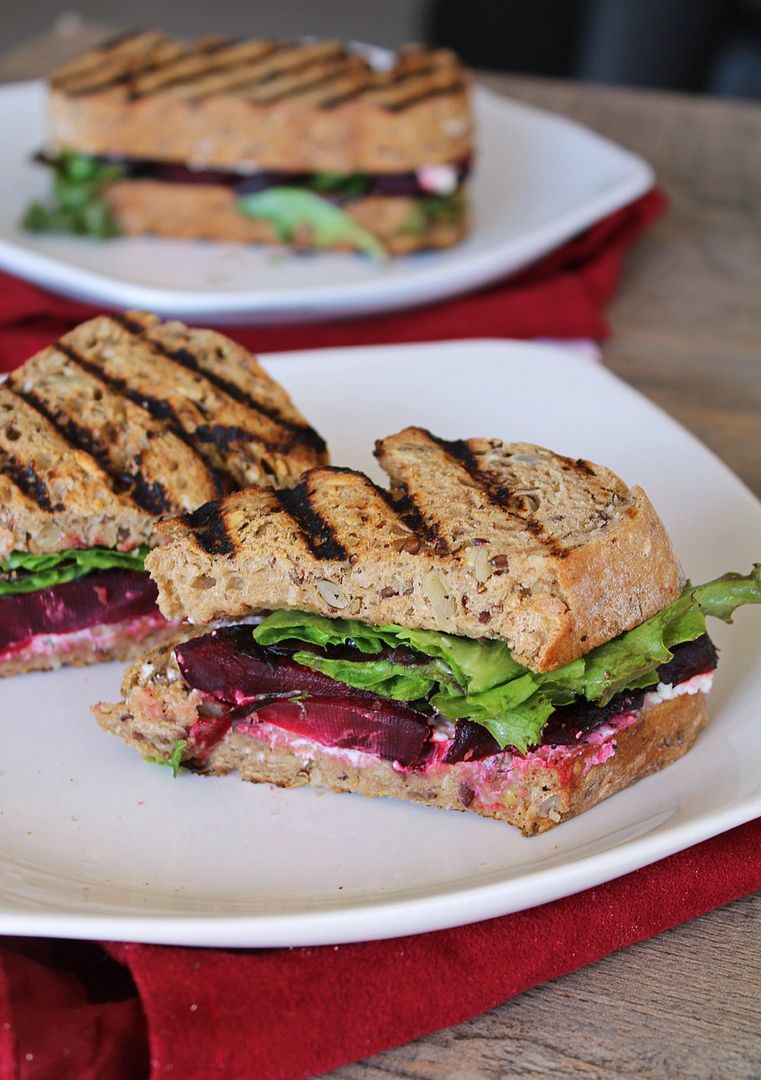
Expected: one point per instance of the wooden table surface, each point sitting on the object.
(686, 328)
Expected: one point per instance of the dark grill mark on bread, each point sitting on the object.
(298, 67)
(214, 68)
(394, 80)
(27, 480)
(498, 493)
(303, 88)
(425, 95)
(128, 323)
(209, 530)
(402, 502)
(223, 437)
(160, 410)
(300, 433)
(148, 496)
(316, 531)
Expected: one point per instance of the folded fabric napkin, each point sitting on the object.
(85, 1011)
(68, 1012)
(560, 296)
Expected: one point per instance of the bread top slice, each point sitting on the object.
(125, 419)
(256, 104)
(478, 538)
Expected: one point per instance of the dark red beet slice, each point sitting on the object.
(206, 732)
(230, 666)
(388, 729)
(104, 596)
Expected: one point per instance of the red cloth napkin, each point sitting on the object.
(68, 1013)
(560, 296)
(84, 1011)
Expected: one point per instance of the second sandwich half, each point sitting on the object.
(122, 421)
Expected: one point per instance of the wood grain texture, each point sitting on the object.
(682, 1005)
(686, 328)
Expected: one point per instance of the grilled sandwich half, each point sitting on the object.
(122, 421)
(503, 630)
(302, 143)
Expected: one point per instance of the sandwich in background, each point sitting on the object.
(300, 143)
(506, 631)
(122, 421)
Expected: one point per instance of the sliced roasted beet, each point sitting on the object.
(471, 742)
(230, 666)
(388, 729)
(692, 658)
(206, 732)
(103, 596)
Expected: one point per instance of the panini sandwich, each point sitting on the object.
(302, 143)
(504, 630)
(121, 421)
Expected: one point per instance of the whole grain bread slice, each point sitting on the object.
(210, 212)
(127, 418)
(286, 106)
(159, 712)
(478, 538)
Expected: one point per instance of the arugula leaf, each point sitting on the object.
(24, 572)
(174, 761)
(78, 207)
(288, 209)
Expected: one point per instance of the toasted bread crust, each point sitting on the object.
(158, 711)
(481, 539)
(209, 212)
(127, 418)
(268, 105)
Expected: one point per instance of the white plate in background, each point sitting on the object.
(539, 180)
(97, 843)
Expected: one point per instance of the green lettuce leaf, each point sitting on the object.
(288, 209)
(401, 682)
(430, 210)
(23, 572)
(480, 681)
(78, 206)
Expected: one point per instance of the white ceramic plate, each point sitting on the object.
(539, 180)
(96, 843)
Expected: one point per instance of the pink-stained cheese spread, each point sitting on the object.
(103, 637)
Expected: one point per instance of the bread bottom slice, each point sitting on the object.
(97, 644)
(208, 212)
(534, 792)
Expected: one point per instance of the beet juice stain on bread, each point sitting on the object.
(121, 421)
(300, 143)
(505, 630)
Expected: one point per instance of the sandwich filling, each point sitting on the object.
(290, 201)
(47, 598)
(426, 700)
